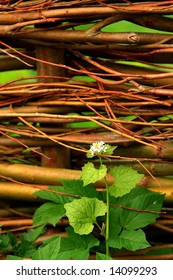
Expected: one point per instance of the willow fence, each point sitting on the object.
(89, 82)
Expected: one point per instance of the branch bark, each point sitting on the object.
(33, 178)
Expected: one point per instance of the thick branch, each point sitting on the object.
(52, 176)
(11, 18)
(82, 36)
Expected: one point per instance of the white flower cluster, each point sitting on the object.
(98, 148)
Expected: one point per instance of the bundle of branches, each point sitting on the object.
(90, 82)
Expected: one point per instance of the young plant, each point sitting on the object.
(83, 213)
(119, 213)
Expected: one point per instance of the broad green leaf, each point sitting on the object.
(48, 252)
(130, 240)
(114, 222)
(90, 174)
(76, 187)
(139, 199)
(125, 180)
(82, 213)
(53, 251)
(82, 242)
(102, 257)
(143, 199)
(61, 248)
(85, 241)
(48, 212)
(54, 195)
(59, 194)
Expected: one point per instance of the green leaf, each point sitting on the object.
(143, 199)
(114, 222)
(160, 251)
(128, 118)
(76, 187)
(12, 238)
(139, 199)
(48, 252)
(110, 149)
(102, 257)
(12, 258)
(54, 195)
(59, 194)
(130, 240)
(4, 242)
(82, 213)
(166, 118)
(48, 212)
(83, 241)
(90, 174)
(32, 234)
(125, 180)
(25, 249)
(74, 247)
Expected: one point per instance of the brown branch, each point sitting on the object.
(157, 22)
(136, 210)
(82, 36)
(163, 227)
(10, 18)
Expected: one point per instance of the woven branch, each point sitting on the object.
(111, 86)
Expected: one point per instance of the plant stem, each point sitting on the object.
(101, 230)
(107, 214)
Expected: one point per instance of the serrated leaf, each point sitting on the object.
(74, 247)
(58, 194)
(76, 187)
(90, 174)
(110, 149)
(48, 251)
(54, 195)
(131, 240)
(125, 180)
(139, 199)
(82, 213)
(85, 241)
(48, 212)
(4, 242)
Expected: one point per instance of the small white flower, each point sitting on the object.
(98, 148)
